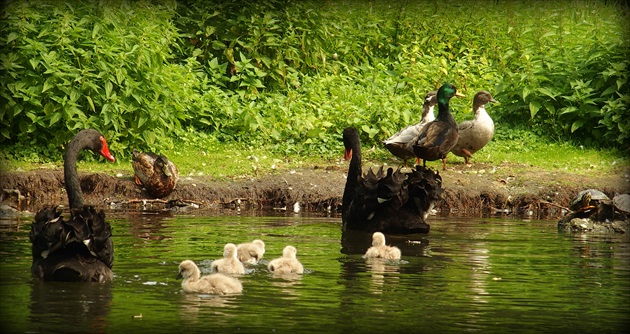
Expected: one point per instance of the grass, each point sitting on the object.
(206, 156)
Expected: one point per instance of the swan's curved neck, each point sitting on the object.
(71, 177)
(354, 171)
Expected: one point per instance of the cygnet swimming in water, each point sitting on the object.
(288, 263)
(250, 252)
(229, 264)
(217, 284)
(380, 250)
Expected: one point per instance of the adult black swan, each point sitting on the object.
(81, 248)
(388, 202)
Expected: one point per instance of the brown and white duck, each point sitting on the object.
(388, 202)
(476, 133)
(157, 174)
(79, 249)
(400, 144)
(438, 137)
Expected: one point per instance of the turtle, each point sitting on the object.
(622, 203)
(584, 203)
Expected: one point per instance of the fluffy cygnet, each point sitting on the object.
(229, 264)
(288, 263)
(217, 284)
(251, 252)
(380, 250)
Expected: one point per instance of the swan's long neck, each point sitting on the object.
(71, 177)
(354, 171)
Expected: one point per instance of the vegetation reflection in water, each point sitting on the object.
(466, 275)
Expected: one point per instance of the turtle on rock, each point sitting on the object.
(591, 201)
(594, 211)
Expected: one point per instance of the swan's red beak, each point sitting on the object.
(105, 151)
(347, 154)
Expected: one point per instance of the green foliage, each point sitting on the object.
(291, 75)
(70, 66)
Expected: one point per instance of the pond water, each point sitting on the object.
(466, 275)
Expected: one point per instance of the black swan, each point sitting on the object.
(437, 138)
(80, 249)
(156, 173)
(392, 202)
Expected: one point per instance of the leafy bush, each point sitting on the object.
(70, 66)
(291, 75)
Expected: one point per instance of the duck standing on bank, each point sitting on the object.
(476, 133)
(157, 174)
(438, 137)
(400, 144)
(79, 249)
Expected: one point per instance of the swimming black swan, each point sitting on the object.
(81, 248)
(392, 202)
(437, 138)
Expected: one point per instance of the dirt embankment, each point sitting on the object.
(480, 189)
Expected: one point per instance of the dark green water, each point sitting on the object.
(467, 275)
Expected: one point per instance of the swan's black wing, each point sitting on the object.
(79, 249)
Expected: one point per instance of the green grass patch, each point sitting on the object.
(199, 154)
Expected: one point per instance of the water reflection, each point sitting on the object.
(192, 305)
(149, 225)
(289, 284)
(383, 272)
(54, 305)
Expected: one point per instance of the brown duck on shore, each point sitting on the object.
(400, 144)
(438, 137)
(79, 249)
(388, 202)
(157, 174)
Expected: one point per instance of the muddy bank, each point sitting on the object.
(478, 190)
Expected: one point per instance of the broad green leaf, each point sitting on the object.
(534, 106)
(90, 102)
(547, 92)
(56, 116)
(49, 83)
(108, 89)
(11, 37)
(576, 125)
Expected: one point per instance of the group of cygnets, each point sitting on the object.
(225, 271)
(223, 281)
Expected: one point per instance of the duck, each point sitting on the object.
(438, 137)
(229, 264)
(79, 249)
(156, 173)
(386, 201)
(380, 250)
(216, 284)
(476, 133)
(287, 264)
(250, 252)
(400, 144)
